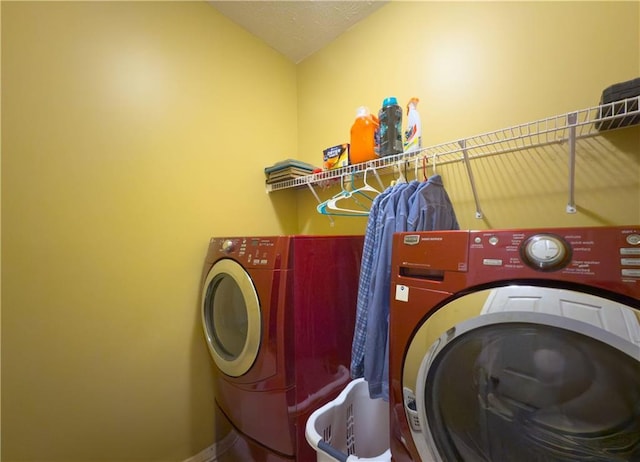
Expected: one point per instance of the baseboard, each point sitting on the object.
(210, 454)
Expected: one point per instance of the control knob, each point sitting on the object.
(228, 246)
(545, 252)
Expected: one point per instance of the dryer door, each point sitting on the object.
(533, 374)
(231, 317)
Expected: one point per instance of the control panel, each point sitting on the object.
(607, 257)
(630, 256)
(252, 252)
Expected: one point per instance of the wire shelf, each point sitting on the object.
(583, 123)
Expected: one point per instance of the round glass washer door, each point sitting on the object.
(231, 317)
(530, 386)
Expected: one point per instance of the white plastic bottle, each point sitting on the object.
(413, 133)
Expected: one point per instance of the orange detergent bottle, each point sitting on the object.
(362, 136)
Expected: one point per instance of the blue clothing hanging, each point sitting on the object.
(403, 207)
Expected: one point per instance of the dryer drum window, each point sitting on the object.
(524, 392)
(226, 316)
(231, 317)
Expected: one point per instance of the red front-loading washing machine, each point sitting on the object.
(278, 314)
(516, 345)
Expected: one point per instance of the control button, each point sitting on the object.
(545, 252)
(477, 240)
(633, 239)
(630, 261)
(630, 251)
(633, 273)
(493, 240)
(492, 262)
(227, 246)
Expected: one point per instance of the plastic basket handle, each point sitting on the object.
(333, 452)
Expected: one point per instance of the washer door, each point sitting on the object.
(532, 383)
(231, 317)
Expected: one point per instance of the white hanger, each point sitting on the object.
(367, 186)
(401, 178)
(375, 172)
(329, 206)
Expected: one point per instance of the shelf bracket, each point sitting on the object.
(375, 172)
(315, 194)
(463, 145)
(572, 120)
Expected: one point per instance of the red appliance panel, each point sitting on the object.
(325, 288)
(403, 321)
(436, 250)
(324, 309)
(430, 266)
(267, 252)
(235, 446)
(605, 258)
(262, 415)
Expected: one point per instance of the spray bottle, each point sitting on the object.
(413, 133)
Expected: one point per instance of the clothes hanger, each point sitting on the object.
(353, 193)
(313, 191)
(375, 172)
(401, 178)
(421, 160)
(329, 206)
(366, 186)
(425, 167)
(339, 211)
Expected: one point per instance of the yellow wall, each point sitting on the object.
(132, 132)
(479, 67)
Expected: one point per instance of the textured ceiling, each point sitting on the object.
(298, 28)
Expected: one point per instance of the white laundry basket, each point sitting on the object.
(352, 427)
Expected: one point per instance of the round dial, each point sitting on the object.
(633, 239)
(227, 246)
(546, 252)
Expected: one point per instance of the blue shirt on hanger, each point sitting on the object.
(369, 255)
(376, 369)
(432, 209)
(375, 337)
(404, 207)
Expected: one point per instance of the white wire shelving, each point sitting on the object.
(564, 128)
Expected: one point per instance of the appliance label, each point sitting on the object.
(402, 293)
(411, 239)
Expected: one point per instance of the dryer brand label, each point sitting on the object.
(412, 239)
